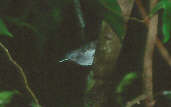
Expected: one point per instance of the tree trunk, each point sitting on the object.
(107, 52)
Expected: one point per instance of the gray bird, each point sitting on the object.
(83, 56)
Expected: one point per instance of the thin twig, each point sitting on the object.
(164, 52)
(82, 23)
(134, 19)
(136, 100)
(21, 71)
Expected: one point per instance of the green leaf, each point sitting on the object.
(127, 80)
(157, 7)
(90, 82)
(34, 104)
(113, 16)
(166, 28)
(6, 96)
(167, 94)
(163, 4)
(117, 23)
(4, 29)
(111, 5)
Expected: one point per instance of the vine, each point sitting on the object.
(21, 71)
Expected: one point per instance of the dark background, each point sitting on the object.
(62, 84)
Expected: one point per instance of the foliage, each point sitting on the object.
(90, 82)
(113, 16)
(126, 81)
(6, 97)
(167, 94)
(4, 30)
(166, 5)
(35, 105)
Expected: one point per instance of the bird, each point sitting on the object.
(83, 56)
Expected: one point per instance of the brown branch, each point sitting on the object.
(21, 71)
(148, 58)
(142, 10)
(163, 51)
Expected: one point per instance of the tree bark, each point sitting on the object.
(107, 52)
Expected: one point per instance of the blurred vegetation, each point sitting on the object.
(39, 33)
